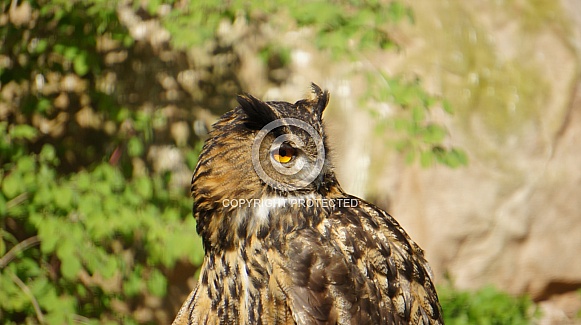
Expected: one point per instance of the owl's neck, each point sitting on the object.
(225, 224)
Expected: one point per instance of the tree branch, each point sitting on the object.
(27, 291)
(20, 247)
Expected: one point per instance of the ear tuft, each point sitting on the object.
(322, 99)
(259, 113)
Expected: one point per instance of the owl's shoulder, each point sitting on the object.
(358, 266)
(374, 241)
(320, 285)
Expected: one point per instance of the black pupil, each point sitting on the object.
(282, 152)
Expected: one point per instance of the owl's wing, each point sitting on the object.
(320, 286)
(358, 267)
(374, 241)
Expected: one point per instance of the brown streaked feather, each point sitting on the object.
(322, 288)
(373, 241)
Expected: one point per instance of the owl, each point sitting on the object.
(284, 244)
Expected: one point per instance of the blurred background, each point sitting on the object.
(460, 118)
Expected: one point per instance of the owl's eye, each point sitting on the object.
(284, 154)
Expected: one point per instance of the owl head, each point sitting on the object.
(261, 151)
(288, 151)
(266, 147)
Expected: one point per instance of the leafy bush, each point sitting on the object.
(51, 71)
(80, 247)
(487, 306)
(88, 232)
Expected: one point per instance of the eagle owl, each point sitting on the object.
(284, 243)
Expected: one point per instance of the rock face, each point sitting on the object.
(512, 217)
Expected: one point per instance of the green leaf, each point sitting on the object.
(23, 131)
(133, 285)
(43, 105)
(83, 181)
(80, 64)
(135, 147)
(26, 165)
(48, 154)
(64, 313)
(447, 107)
(70, 264)
(70, 267)
(49, 299)
(157, 283)
(64, 197)
(28, 266)
(49, 234)
(70, 52)
(434, 134)
(110, 267)
(457, 158)
(418, 114)
(44, 195)
(426, 158)
(39, 46)
(484, 306)
(398, 11)
(14, 299)
(144, 187)
(12, 185)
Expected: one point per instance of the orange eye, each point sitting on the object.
(284, 153)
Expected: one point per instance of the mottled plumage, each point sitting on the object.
(289, 257)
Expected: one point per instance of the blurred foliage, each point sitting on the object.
(50, 68)
(103, 239)
(340, 26)
(486, 306)
(89, 229)
(418, 136)
(344, 29)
